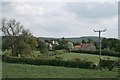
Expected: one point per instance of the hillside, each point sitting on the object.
(75, 39)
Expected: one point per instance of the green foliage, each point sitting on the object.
(58, 58)
(111, 43)
(13, 33)
(57, 52)
(43, 47)
(53, 62)
(62, 44)
(90, 40)
(69, 46)
(23, 48)
(106, 64)
(117, 47)
(7, 52)
(33, 43)
(82, 56)
(5, 43)
(83, 41)
(104, 52)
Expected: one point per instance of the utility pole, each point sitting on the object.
(100, 31)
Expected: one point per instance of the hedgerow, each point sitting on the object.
(53, 62)
(104, 52)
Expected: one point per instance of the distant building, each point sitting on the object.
(55, 42)
(85, 46)
(52, 44)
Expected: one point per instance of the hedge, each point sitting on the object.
(54, 62)
(107, 64)
(103, 52)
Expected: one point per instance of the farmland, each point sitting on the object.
(83, 56)
(11, 70)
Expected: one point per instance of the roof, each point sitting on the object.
(82, 46)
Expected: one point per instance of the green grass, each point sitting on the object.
(11, 70)
(83, 56)
(36, 53)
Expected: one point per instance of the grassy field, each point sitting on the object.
(71, 56)
(11, 70)
(83, 56)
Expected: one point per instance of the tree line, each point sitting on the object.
(21, 41)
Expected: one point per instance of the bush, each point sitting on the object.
(104, 52)
(58, 58)
(57, 52)
(54, 62)
(106, 64)
(23, 49)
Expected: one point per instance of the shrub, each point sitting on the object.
(23, 48)
(54, 62)
(104, 52)
(58, 58)
(106, 64)
(76, 59)
(57, 52)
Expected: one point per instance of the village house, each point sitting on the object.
(52, 44)
(85, 46)
(55, 42)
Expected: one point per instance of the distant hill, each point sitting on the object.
(47, 38)
(79, 39)
(75, 39)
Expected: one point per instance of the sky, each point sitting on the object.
(64, 19)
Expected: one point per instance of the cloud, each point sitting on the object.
(92, 9)
(64, 18)
(60, 0)
(26, 9)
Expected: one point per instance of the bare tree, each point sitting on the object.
(12, 29)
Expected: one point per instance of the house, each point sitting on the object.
(85, 46)
(55, 42)
(52, 44)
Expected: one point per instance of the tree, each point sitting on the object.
(23, 48)
(90, 40)
(13, 31)
(110, 43)
(42, 46)
(117, 47)
(69, 46)
(5, 43)
(104, 43)
(83, 41)
(63, 44)
(33, 43)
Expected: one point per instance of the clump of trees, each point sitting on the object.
(42, 47)
(62, 44)
(111, 44)
(16, 38)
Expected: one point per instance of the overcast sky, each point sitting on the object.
(64, 19)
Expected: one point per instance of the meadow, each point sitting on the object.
(14, 70)
(11, 70)
(83, 56)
